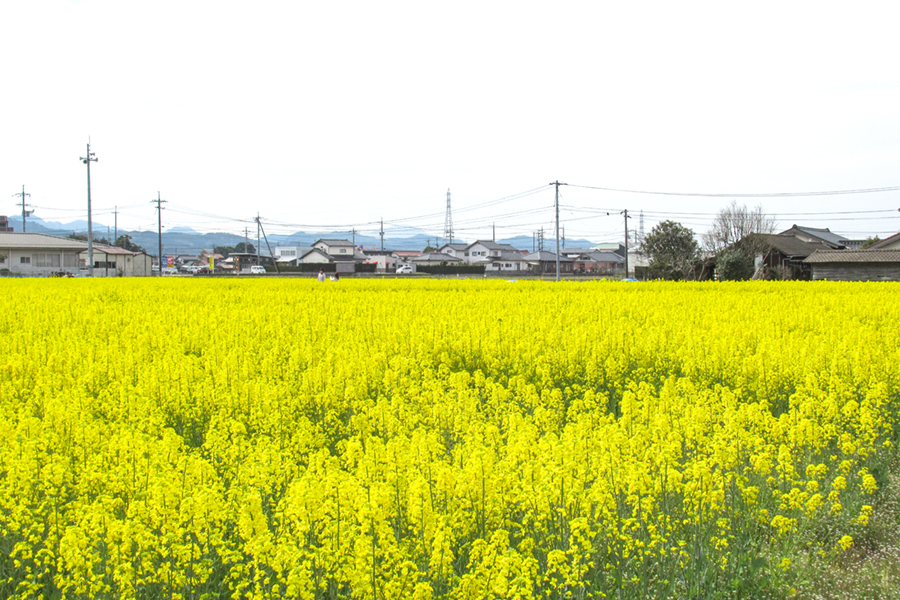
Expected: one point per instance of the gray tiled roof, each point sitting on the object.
(39, 240)
(823, 234)
(854, 256)
(791, 246)
(885, 242)
(491, 245)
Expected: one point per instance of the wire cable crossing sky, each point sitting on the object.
(332, 117)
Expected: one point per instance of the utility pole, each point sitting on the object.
(260, 227)
(25, 213)
(626, 243)
(382, 235)
(564, 237)
(257, 239)
(87, 159)
(557, 184)
(354, 238)
(159, 209)
(494, 232)
(115, 225)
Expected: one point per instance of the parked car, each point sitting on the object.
(404, 270)
(257, 270)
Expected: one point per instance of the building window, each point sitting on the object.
(45, 260)
(70, 260)
(25, 260)
(343, 250)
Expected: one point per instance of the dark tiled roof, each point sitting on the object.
(792, 246)
(823, 234)
(854, 256)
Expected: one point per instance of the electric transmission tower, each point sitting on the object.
(448, 221)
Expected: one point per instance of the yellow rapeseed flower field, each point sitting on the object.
(460, 439)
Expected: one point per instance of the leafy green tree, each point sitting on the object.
(124, 241)
(871, 241)
(671, 250)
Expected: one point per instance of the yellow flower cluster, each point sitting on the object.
(433, 439)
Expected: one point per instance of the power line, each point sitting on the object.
(763, 195)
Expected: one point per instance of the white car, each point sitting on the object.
(404, 270)
(257, 269)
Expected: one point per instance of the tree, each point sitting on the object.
(871, 241)
(429, 249)
(734, 223)
(124, 241)
(82, 237)
(240, 248)
(672, 251)
(734, 264)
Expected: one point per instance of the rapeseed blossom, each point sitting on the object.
(434, 439)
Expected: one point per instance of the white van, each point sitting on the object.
(257, 269)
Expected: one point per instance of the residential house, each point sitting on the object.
(826, 236)
(783, 252)
(855, 265)
(480, 250)
(385, 261)
(435, 258)
(596, 262)
(889, 243)
(543, 262)
(455, 250)
(112, 261)
(511, 261)
(336, 248)
(404, 257)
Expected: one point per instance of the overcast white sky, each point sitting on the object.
(332, 115)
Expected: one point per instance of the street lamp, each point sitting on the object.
(88, 159)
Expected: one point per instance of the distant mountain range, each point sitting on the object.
(184, 240)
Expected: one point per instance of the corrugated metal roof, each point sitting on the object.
(39, 240)
(854, 256)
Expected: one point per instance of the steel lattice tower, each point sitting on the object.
(448, 222)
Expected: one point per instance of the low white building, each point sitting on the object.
(39, 255)
(112, 261)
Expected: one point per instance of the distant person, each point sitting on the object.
(321, 274)
(336, 277)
